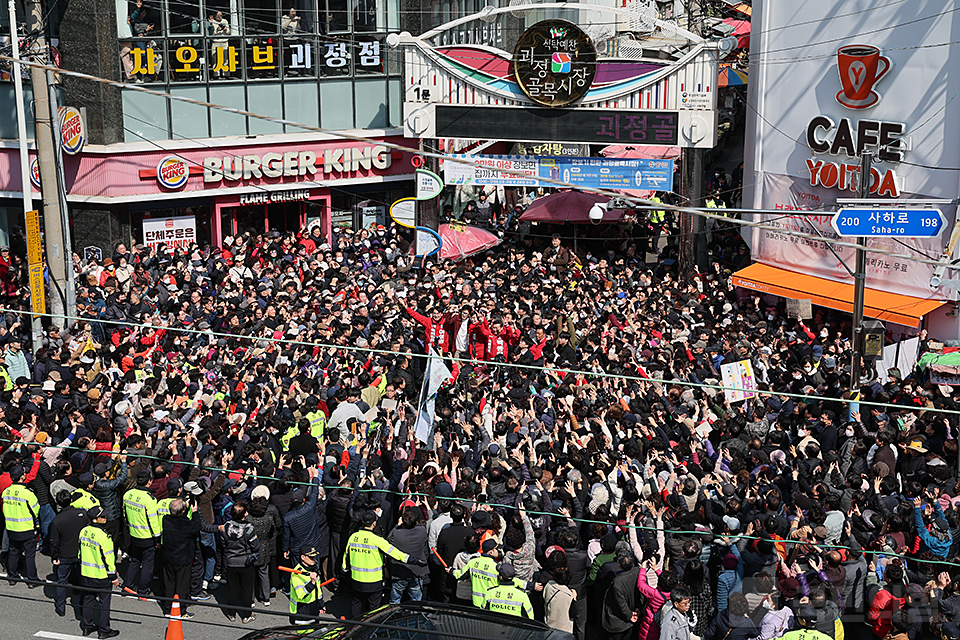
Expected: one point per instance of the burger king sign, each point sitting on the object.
(172, 172)
(72, 133)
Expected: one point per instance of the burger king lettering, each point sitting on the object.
(172, 172)
(294, 164)
(72, 136)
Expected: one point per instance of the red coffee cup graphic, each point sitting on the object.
(861, 67)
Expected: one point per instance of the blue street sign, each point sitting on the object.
(889, 223)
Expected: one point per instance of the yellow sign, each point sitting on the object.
(38, 300)
(34, 242)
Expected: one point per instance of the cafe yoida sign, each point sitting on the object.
(861, 67)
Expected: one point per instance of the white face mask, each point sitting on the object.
(808, 369)
(849, 433)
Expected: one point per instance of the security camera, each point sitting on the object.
(596, 212)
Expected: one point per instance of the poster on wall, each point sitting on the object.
(175, 233)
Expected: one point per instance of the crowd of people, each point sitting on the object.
(223, 414)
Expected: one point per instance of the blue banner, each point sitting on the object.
(594, 173)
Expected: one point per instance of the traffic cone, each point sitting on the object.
(175, 626)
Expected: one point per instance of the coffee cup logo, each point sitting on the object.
(861, 67)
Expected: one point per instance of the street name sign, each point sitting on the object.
(889, 223)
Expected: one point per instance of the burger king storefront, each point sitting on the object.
(138, 194)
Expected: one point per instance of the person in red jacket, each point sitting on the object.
(498, 339)
(438, 337)
(888, 600)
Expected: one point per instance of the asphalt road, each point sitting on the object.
(28, 613)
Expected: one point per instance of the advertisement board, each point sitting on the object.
(830, 89)
(595, 173)
(739, 376)
(175, 232)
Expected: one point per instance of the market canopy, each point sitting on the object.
(567, 206)
(892, 307)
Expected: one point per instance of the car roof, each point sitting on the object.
(423, 620)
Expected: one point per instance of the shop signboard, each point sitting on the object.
(429, 185)
(554, 63)
(72, 131)
(846, 95)
(589, 173)
(429, 242)
(34, 239)
(176, 232)
(404, 212)
(38, 298)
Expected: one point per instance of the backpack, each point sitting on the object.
(662, 612)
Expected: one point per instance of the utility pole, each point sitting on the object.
(692, 245)
(57, 253)
(36, 329)
(70, 287)
(860, 277)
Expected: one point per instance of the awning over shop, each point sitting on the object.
(892, 307)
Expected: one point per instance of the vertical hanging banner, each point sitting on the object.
(38, 298)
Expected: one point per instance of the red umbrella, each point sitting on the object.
(461, 241)
(741, 29)
(651, 153)
(567, 206)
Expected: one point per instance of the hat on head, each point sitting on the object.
(95, 512)
(506, 571)
(368, 518)
(143, 475)
(481, 520)
(443, 490)
(807, 612)
(101, 469)
(298, 496)
(732, 523)
(488, 545)
(193, 488)
(261, 491)
(730, 561)
(941, 524)
(49, 385)
(915, 591)
(309, 551)
(950, 631)
(554, 549)
(789, 587)
(174, 485)
(917, 444)
(86, 478)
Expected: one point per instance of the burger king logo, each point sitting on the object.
(72, 135)
(172, 172)
(35, 173)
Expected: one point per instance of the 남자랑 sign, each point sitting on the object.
(177, 232)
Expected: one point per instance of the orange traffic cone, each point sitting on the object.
(175, 626)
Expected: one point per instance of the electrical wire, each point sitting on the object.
(470, 361)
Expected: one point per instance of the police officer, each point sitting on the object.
(21, 511)
(140, 508)
(507, 598)
(306, 601)
(657, 218)
(364, 555)
(82, 498)
(98, 571)
(318, 421)
(65, 546)
(482, 570)
(807, 622)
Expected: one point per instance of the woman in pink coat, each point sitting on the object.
(656, 597)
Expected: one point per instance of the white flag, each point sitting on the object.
(436, 374)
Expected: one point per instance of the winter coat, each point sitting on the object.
(106, 492)
(655, 599)
(240, 544)
(725, 628)
(412, 542)
(620, 601)
(266, 527)
(881, 611)
(524, 559)
(675, 625)
(300, 524)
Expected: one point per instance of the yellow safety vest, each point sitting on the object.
(288, 436)
(96, 553)
(483, 577)
(83, 499)
(141, 510)
(364, 554)
(508, 599)
(657, 216)
(7, 382)
(318, 424)
(21, 511)
(301, 589)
